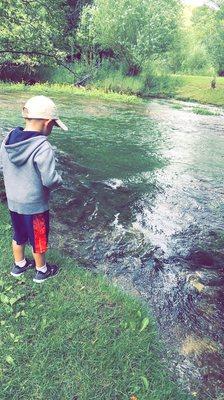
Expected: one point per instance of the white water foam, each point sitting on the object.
(114, 183)
(117, 226)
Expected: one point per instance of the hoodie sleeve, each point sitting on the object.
(45, 163)
(1, 166)
(1, 157)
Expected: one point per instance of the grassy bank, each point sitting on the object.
(133, 90)
(182, 87)
(75, 337)
(197, 88)
(48, 89)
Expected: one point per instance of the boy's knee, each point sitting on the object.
(14, 242)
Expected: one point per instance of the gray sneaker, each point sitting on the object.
(17, 271)
(52, 270)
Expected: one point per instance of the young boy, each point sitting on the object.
(29, 175)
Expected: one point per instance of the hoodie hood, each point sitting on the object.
(20, 151)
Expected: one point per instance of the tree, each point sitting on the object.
(216, 42)
(208, 25)
(24, 28)
(135, 30)
(37, 32)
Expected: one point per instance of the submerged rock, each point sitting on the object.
(201, 258)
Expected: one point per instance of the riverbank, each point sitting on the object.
(198, 88)
(48, 89)
(182, 87)
(98, 222)
(133, 90)
(76, 337)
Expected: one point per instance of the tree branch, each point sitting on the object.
(38, 53)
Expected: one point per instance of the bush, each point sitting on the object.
(115, 81)
(159, 84)
(197, 62)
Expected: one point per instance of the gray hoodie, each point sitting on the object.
(29, 174)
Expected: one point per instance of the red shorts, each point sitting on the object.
(33, 228)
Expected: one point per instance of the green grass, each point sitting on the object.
(145, 84)
(197, 88)
(50, 89)
(117, 83)
(115, 87)
(203, 111)
(177, 106)
(75, 337)
(182, 87)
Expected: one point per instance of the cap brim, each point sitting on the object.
(60, 124)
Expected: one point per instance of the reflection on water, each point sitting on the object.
(143, 202)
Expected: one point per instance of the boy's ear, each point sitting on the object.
(25, 112)
(50, 121)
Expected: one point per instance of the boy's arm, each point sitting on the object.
(45, 162)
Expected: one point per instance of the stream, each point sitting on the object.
(143, 203)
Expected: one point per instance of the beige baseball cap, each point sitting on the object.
(42, 107)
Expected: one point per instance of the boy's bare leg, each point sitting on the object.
(19, 254)
(18, 251)
(40, 259)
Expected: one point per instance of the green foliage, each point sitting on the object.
(207, 39)
(26, 27)
(159, 84)
(177, 106)
(203, 111)
(38, 33)
(216, 42)
(147, 83)
(135, 30)
(53, 74)
(115, 81)
(197, 60)
(146, 39)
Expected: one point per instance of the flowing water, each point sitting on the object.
(143, 203)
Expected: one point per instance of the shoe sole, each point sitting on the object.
(43, 280)
(17, 275)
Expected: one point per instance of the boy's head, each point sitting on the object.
(41, 115)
